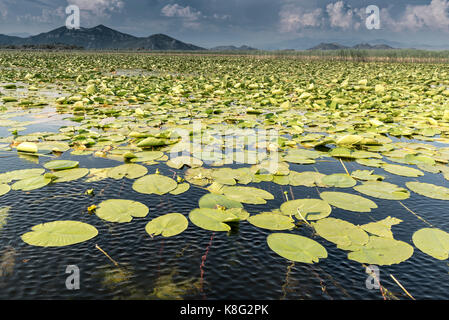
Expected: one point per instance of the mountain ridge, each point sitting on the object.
(100, 38)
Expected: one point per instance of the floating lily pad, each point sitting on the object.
(429, 190)
(20, 174)
(179, 162)
(272, 221)
(61, 164)
(247, 194)
(383, 190)
(4, 189)
(213, 219)
(155, 183)
(181, 188)
(432, 241)
(211, 200)
(381, 228)
(345, 235)
(307, 179)
(167, 225)
(128, 170)
(120, 210)
(31, 183)
(70, 174)
(402, 170)
(348, 201)
(339, 180)
(310, 209)
(366, 175)
(382, 252)
(296, 248)
(59, 233)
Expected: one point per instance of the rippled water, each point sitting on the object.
(238, 265)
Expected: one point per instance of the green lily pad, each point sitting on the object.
(59, 233)
(381, 228)
(429, 190)
(20, 174)
(310, 209)
(366, 175)
(61, 164)
(348, 201)
(345, 235)
(70, 174)
(179, 162)
(31, 183)
(383, 190)
(382, 252)
(339, 180)
(128, 170)
(181, 188)
(272, 221)
(402, 170)
(167, 225)
(212, 200)
(213, 219)
(120, 210)
(4, 189)
(432, 241)
(248, 195)
(296, 248)
(154, 183)
(306, 178)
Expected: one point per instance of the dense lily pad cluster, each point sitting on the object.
(200, 115)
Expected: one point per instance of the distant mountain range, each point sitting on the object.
(362, 46)
(100, 38)
(233, 48)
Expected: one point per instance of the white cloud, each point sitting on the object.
(100, 8)
(433, 16)
(175, 10)
(340, 16)
(293, 18)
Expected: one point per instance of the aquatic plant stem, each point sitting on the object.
(109, 257)
(203, 261)
(409, 210)
(344, 167)
(400, 285)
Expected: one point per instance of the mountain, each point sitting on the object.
(233, 48)
(360, 46)
(328, 46)
(367, 46)
(100, 38)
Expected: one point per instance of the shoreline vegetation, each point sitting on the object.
(357, 55)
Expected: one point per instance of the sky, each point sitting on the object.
(265, 24)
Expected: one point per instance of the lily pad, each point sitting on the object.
(167, 225)
(248, 195)
(432, 241)
(213, 201)
(32, 183)
(429, 190)
(213, 219)
(296, 248)
(4, 189)
(271, 221)
(383, 190)
(345, 235)
(402, 170)
(120, 210)
(70, 174)
(61, 164)
(348, 201)
(59, 233)
(382, 252)
(128, 170)
(20, 174)
(381, 228)
(155, 183)
(181, 188)
(339, 180)
(310, 209)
